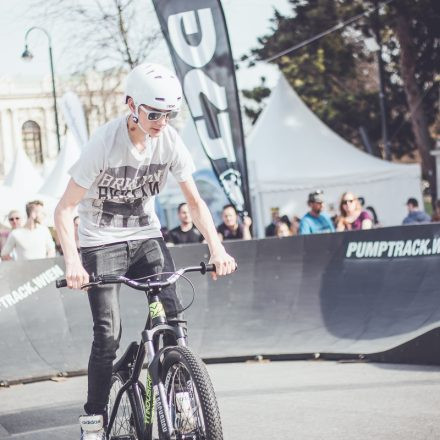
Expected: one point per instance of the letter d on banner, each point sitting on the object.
(196, 33)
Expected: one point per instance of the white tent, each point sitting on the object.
(291, 152)
(23, 177)
(56, 182)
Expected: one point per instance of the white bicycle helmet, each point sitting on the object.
(155, 86)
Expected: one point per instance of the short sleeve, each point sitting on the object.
(304, 227)
(91, 162)
(365, 216)
(182, 165)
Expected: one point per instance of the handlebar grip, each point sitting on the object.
(207, 268)
(61, 283)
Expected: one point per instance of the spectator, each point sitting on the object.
(282, 229)
(270, 229)
(352, 217)
(294, 225)
(231, 229)
(436, 214)
(34, 240)
(315, 221)
(14, 218)
(186, 232)
(415, 215)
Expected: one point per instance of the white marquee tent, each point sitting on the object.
(56, 183)
(291, 152)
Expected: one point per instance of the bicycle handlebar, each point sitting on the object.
(149, 284)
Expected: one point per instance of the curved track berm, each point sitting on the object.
(370, 295)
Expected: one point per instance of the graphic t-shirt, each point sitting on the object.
(315, 225)
(123, 182)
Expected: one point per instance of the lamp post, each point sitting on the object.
(27, 56)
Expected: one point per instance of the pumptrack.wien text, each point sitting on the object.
(393, 248)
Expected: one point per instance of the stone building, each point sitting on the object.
(27, 117)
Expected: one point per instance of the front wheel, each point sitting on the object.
(190, 396)
(124, 423)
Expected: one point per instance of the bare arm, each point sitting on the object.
(202, 218)
(367, 224)
(75, 273)
(247, 222)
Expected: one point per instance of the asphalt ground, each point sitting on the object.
(266, 400)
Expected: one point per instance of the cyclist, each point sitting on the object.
(120, 171)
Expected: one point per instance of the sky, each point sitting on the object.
(246, 21)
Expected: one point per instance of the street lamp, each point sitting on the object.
(27, 56)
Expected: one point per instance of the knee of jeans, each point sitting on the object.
(105, 348)
(106, 341)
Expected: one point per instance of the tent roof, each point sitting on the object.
(23, 177)
(55, 184)
(290, 144)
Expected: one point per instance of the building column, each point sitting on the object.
(7, 139)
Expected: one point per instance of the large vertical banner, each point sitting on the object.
(196, 33)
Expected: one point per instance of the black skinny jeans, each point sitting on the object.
(134, 259)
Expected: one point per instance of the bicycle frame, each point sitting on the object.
(156, 325)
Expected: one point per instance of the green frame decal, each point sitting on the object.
(156, 310)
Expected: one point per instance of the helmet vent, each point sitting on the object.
(159, 99)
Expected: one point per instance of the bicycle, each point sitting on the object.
(178, 388)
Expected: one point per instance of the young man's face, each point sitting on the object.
(38, 214)
(153, 127)
(151, 119)
(184, 215)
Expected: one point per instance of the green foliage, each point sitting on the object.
(337, 77)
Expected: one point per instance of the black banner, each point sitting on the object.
(196, 33)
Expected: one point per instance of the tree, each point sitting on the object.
(416, 29)
(102, 34)
(104, 39)
(337, 76)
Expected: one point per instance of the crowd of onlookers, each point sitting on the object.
(353, 215)
(29, 238)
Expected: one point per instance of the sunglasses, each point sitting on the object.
(13, 218)
(345, 202)
(156, 116)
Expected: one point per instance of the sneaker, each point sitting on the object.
(92, 427)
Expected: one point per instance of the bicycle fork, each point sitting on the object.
(154, 385)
